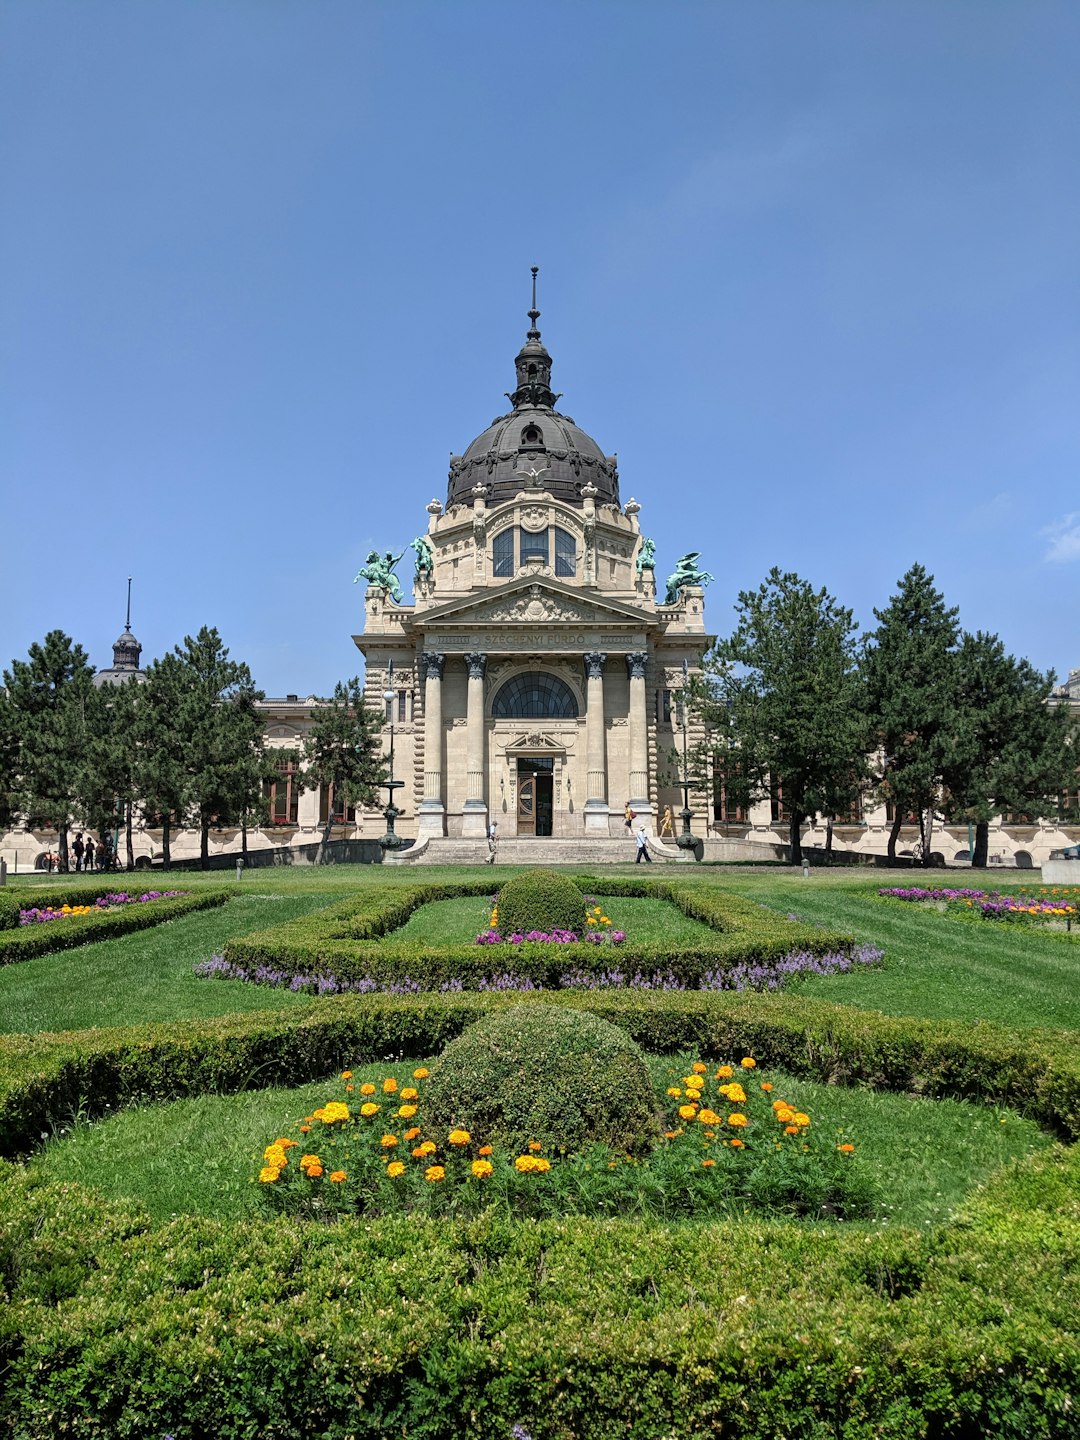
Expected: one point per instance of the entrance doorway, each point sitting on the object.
(536, 795)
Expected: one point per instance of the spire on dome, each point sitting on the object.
(127, 653)
(533, 365)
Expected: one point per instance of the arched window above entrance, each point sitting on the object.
(535, 696)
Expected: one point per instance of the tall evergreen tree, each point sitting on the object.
(164, 781)
(781, 694)
(109, 790)
(49, 697)
(221, 731)
(1009, 749)
(342, 748)
(909, 678)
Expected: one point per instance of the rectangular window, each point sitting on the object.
(911, 818)
(283, 793)
(730, 806)
(402, 704)
(776, 805)
(502, 555)
(331, 812)
(851, 814)
(534, 546)
(565, 552)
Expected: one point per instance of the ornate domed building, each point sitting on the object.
(532, 677)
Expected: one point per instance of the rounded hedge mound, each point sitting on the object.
(539, 1073)
(540, 900)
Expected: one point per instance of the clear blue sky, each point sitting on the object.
(810, 269)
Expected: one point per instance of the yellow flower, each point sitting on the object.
(389, 1086)
(708, 1117)
(459, 1137)
(330, 1114)
(286, 1144)
(736, 1119)
(482, 1169)
(725, 1072)
(388, 1142)
(406, 1112)
(734, 1092)
(540, 1165)
(785, 1115)
(698, 1068)
(674, 1091)
(275, 1154)
(687, 1112)
(337, 1176)
(367, 1088)
(426, 1147)
(435, 1173)
(693, 1082)
(307, 1160)
(801, 1119)
(748, 1062)
(369, 1109)
(409, 1093)
(346, 1074)
(421, 1074)
(394, 1169)
(671, 1134)
(268, 1174)
(524, 1164)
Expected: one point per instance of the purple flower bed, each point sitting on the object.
(770, 975)
(104, 902)
(552, 937)
(991, 904)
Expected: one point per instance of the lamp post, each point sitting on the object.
(391, 840)
(685, 841)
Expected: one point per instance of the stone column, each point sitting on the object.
(474, 820)
(432, 809)
(636, 663)
(596, 804)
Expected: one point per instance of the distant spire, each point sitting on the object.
(127, 622)
(534, 313)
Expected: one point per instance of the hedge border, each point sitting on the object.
(29, 941)
(353, 940)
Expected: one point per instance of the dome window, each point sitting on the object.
(502, 554)
(532, 435)
(565, 553)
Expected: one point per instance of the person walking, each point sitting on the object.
(77, 850)
(628, 816)
(90, 848)
(667, 825)
(642, 846)
(493, 841)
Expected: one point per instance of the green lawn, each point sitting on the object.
(455, 922)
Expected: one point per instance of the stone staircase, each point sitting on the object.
(526, 850)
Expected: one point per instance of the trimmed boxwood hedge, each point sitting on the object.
(354, 939)
(30, 940)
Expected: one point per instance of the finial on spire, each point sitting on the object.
(127, 622)
(534, 313)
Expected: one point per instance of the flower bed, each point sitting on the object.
(86, 922)
(111, 901)
(725, 1148)
(1045, 904)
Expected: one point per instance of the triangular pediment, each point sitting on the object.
(526, 601)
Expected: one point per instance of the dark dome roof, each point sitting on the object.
(533, 436)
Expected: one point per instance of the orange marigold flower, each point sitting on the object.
(535, 1146)
(314, 1172)
(801, 1119)
(286, 1144)
(707, 1164)
(848, 1149)
(305, 1129)
(482, 1169)
(409, 1093)
(725, 1072)
(388, 1142)
(346, 1074)
(766, 1085)
(791, 1129)
(413, 1133)
(736, 1143)
(708, 1117)
(349, 1089)
(674, 1091)
(367, 1088)
(698, 1068)
(737, 1119)
(268, 1174)
(748, 1062)
(426, 1147)
(421, 1074)
(406, 1112)
(687, 1112)
(485, 1150)
(369, 1109)
(306, 1160)
(395, 1169)
(389, 1085)
(435, 1173)
(671, 1134)
(337, 1176)
(459, 1137)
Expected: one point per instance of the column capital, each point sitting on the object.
(636, 662)
(432, 663)
(594, 664)
(476, 665)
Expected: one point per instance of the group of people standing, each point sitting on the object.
(88, 854)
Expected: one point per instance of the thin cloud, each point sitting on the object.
(1064, 537)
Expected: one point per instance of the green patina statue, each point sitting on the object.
(379, 570)
(425, 559)
(686, 573)
(646, 559)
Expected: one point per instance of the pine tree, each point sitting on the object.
(49, 697)
(780, 694)
(909, 679)
(164, 781)
(108, 783)
(1009, 749)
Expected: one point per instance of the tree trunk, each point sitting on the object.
(204, 846)
(243, 841)
(62, 832)
(828, 837)
(926, 835)
(796, 838)
(128, 839)
(980, 854)
(894, 833)
(166, 842)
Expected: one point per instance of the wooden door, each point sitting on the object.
(526, 806)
